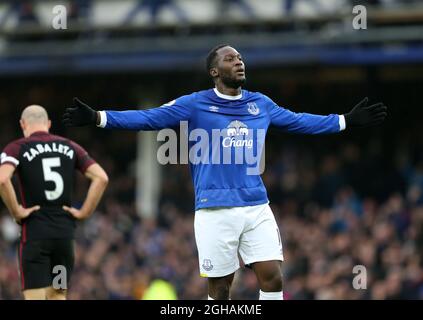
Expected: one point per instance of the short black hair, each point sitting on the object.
(211, 57)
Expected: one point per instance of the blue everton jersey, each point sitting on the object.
(225, 137)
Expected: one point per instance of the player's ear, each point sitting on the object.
(49, 124)
(23, 127)
(213, 72)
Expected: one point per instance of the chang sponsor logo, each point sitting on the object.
(236, 133)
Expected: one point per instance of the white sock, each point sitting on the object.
(209, 298)
(271, 295)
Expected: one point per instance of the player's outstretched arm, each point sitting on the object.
(80, 115)
(363, 116)
(9, 196)
(99, 181)
(306, 123)
(167, 116)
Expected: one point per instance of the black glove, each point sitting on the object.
(79, 115)
(363, 116)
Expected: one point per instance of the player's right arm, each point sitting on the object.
(7, 193)
(167, 116)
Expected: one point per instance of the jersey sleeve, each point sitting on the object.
(305, 123)
(10, 154)
(167, 116)
(83, 159)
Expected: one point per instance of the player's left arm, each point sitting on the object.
(360, 116)
(8, 194)
(99, 181)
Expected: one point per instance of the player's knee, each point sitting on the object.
(219, 289)
(57, 296)
(35, 294)
(271, 280)
(220, 293)
(53, 294)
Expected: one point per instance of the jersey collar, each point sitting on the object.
(37, 133)
(225, 96)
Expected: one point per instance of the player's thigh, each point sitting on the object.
(34, 265)
(261, 242)
(217, 234)
(63, 259)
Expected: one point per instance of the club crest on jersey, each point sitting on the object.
(207, 265)
(253, 108)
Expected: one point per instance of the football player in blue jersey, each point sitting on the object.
(232, 212)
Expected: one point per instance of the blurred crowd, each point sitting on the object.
(330, 216)
(353, 199)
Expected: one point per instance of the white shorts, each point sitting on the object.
(222, 233)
